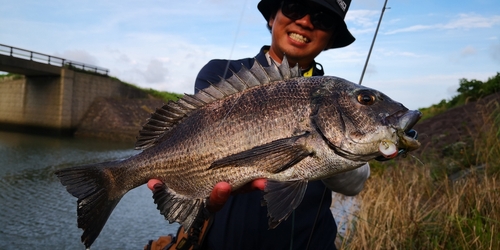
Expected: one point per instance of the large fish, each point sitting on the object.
(263, 122)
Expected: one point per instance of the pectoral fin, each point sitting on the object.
(275, 156)
(282, 198)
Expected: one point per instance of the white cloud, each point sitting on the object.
(471, 21)
(410, 29)
(363, 18)
(468, 51)
(155, 72)
(398, 54)
(464, 54)
(463, 21)
(494, 51)
(79, 55)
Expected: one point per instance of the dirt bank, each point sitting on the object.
(116, 119)
(457, 125)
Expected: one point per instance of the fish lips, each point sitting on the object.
(403, 122)
(409, 119)
(408, 136)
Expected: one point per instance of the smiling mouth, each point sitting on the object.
(298, 38)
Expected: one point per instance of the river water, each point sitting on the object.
(38, 213)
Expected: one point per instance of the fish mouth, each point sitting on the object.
(408, 119)
(402, 122)
(408, 136)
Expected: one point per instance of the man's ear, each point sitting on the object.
(332, 39)
(270, 23)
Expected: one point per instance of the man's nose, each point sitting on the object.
(305, 22)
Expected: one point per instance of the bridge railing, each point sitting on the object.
(48, 59)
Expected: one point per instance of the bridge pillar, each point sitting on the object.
(55, 104)
(66, 100)
(54, 93)
(41, 102)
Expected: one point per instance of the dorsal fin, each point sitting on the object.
(165, 118)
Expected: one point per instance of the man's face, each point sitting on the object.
(298, 39)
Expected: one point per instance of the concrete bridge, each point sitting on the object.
(54, 93)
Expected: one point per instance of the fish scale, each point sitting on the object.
(262, 122)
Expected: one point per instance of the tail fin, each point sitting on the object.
(97, 196)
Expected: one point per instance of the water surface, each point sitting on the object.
(38, 213)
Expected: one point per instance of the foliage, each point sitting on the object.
(10, 76)
(164, 95)
(469, 90)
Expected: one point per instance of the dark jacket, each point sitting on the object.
(242, 223)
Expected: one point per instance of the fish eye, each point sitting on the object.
(366, 98)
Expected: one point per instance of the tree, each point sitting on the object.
(470, 90)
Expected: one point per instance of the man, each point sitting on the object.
(301, 30)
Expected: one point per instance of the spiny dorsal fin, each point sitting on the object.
(171, 114)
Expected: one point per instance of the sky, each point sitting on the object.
(422, 50)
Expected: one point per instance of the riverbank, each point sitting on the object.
(116, 119)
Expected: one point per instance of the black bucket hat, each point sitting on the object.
(342, 37)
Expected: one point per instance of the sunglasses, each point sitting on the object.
(296, 10)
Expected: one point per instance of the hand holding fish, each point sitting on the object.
(221, 192)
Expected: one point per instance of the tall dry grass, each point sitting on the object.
(415, 204)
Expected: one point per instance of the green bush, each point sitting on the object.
(469, 90)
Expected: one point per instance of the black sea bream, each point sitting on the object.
(263, 122)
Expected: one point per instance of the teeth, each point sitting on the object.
(299, 38)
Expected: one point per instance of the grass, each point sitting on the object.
(10, 76)
(434, 202)
(164, 95)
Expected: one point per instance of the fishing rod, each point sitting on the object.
(373, 42)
